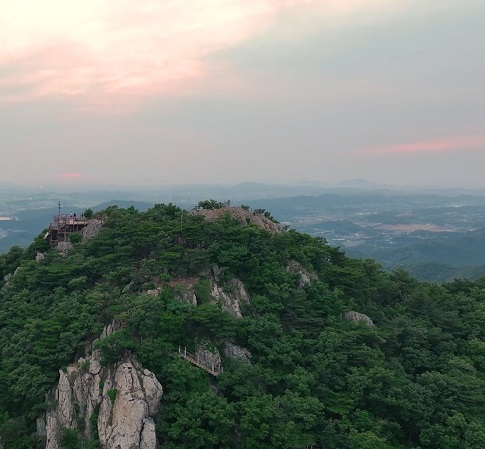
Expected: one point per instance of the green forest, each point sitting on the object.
(415, 379)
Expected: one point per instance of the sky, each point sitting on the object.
(159, 92)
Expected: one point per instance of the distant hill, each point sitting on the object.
(359, 183)
(455, 250)
(142, 206)
(453, 256)
(439, 272)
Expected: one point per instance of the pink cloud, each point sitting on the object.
(71, 175)
(97, 49)
(475, 142)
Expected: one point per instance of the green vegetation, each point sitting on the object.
(88, 213)
(266, 214)
(210, 204)
(414, 380)
(112, 394)
(75, 238)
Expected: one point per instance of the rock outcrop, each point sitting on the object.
(128, 287)
(243, 216)
(131, 398)
(184, 289)
(63, 248)
(233, 351)
(231, 296)
(208, 358)
(92, 229)
(357, 317)
(119, 400)
(188, 296)
(305, 276)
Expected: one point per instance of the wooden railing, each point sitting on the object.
(60, 221)
(214, 368)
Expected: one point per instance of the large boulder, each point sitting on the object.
(357, 317)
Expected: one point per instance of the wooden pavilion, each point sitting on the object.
(63, 225)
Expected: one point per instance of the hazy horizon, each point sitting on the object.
(152, 94)
(206, 190)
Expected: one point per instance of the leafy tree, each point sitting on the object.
(88, 213)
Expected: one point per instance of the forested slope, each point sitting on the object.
(415, 379)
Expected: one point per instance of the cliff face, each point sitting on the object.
(306, 277)
(231, 296)
(92, 229)
(126, 417)
(116, 403)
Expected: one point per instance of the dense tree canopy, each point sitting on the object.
(414, 380)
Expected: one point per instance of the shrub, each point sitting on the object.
(75, 238)
(112, 394)
(113, 347)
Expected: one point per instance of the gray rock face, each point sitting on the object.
(236, 352)
(64, 399)
(356, 317)
(188, 296)
(304, 280)
(64, 247)
(148, 439)
(185, 289)
(127, 288)
(153, 391)
(110, 329)
(210, 359)
(305, 276)
(40, 428)
(231, 296)
(243, 216)
(91, 229)
(125, 397)
(216, 272)
(126, 422)
(39, 257)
